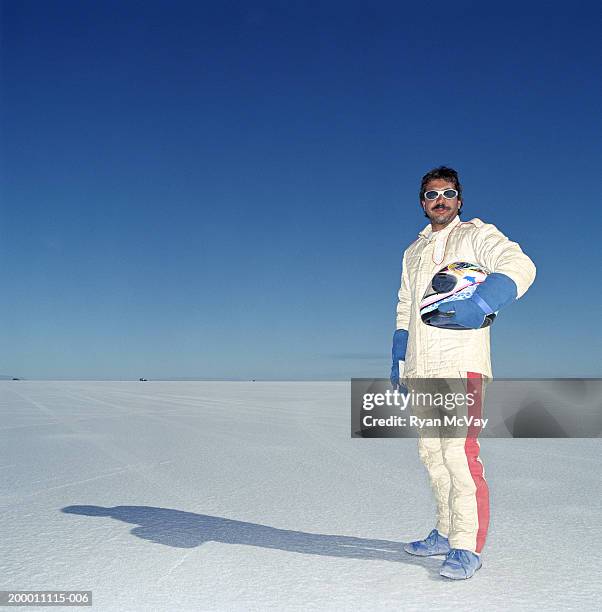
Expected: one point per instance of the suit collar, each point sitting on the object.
(427, 232)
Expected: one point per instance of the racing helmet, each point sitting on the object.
(456, 281)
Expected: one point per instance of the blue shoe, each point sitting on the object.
(433, 544)
(460, 564)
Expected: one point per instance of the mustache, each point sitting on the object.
(440, 207)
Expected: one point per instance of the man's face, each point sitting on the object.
(440, 211)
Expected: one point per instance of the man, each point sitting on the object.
(421, 351)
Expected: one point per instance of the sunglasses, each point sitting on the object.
(433, 194)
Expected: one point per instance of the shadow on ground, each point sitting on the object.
(187, 530)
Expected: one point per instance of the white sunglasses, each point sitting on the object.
(433, 194)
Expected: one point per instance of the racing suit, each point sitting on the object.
(453, 464)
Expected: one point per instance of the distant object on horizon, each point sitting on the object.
(15, 378)
(143, 379)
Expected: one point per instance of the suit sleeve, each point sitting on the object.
(499, 254)
(404, 298)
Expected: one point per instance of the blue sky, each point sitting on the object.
(224, 190)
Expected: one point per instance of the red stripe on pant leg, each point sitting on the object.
(471, 448)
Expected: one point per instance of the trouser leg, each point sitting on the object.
(431, 452)
(431, 455)
(469, 494)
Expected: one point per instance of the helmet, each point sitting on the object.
(456, 281)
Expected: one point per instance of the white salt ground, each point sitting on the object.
(252, 496)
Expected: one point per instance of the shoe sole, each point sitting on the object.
(461, 577)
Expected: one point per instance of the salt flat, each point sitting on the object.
(253, 496)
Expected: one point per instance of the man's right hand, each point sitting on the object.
(398, 353)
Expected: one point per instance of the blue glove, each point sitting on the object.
(490, 296)
(398, 353)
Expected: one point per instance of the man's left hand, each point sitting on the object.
(465, 313)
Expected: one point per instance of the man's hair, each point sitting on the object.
(445, 173)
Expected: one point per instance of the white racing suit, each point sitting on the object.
(454, 467)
